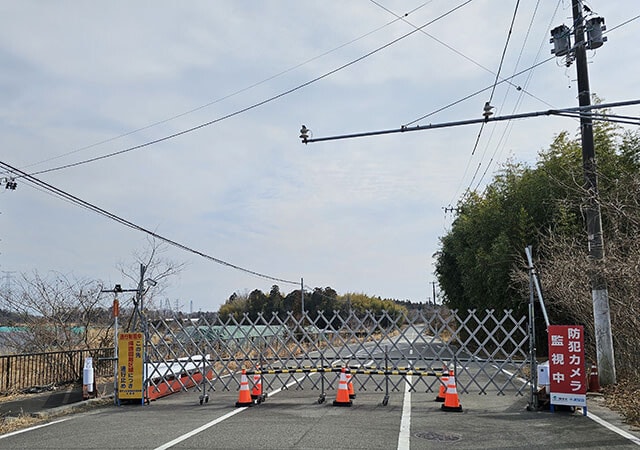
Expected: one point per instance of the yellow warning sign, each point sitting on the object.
(130, 365)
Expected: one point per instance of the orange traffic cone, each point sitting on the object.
(244, 399)
(444, 380)
(342, 397)
(352, 392)
(451, 402)
(256, 391)
(594, 379)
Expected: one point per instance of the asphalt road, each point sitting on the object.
(293, 419)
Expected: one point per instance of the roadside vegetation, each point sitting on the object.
(319, 300)
(481, 263)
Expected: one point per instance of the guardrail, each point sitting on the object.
(36, 371)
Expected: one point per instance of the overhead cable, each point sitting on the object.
(84, 204)
(507, 130)
(256, 105)
(457, 52)
(225, 97)
(478, 92)
(493, 89)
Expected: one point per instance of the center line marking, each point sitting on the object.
(404, 438)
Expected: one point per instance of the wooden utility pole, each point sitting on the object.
(599, 292)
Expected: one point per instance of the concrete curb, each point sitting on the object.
(73, 407)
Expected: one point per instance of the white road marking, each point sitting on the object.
(218, 420)
(592, 416)
(33, 428)
(511, 375)
(621, 432)
(200, 429)
(404, 437)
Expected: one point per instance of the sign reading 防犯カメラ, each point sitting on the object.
(130, 365)
(567, 378)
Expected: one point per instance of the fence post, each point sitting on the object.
(7, 378)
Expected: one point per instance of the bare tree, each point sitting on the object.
(564, 270)
(157, 270)
(55, 312)
(60, 312)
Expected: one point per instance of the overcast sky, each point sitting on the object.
(359, 215)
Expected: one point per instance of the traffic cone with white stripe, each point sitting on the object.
(342, 397)
(244, 398)
(594, 379)
(352, 392)
(256, 391)
(444, 380)
(451, 402)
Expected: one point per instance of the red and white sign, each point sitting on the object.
(567, 377)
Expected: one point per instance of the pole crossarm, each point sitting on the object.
(431, 126)
(113, 291)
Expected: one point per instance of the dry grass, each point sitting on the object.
(9, 424)
(625, 398)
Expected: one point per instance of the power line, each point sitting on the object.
(602, 117)
(504, 52)
(225, 97)
(478, 92)
(109, 215)
(255, 105)
(493, 89)
(623, 23)
(507, 130)
(456, 51)
(467, 97)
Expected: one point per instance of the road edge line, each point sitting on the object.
(35, 427)
(615, 429)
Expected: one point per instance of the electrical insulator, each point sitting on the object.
(595, 27)
(561, 40)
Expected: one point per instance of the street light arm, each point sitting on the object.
(306, 139)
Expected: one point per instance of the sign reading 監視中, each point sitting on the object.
(567, 378)
(130, 364)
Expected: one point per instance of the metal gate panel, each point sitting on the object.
(489, 350)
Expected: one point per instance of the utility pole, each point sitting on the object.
(433, 285)
(599, 291)
(302, 298)
(116, 313)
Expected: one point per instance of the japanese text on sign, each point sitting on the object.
(130, 363)
(566, 365)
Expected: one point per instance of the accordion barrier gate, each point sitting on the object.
(490, 351)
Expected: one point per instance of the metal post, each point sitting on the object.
(527, 251)
(301, 298)
(143, 326)
(599, 292)
(116, 313)
(385, 401)
(8, 373)
(322, 396)
(433, 285)
(533, 367)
